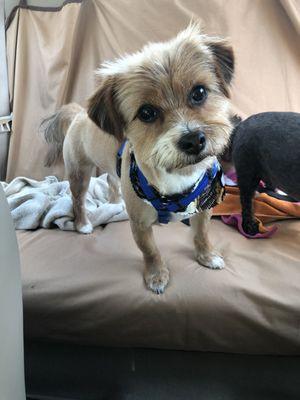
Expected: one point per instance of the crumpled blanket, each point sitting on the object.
(267, 208)
(48, 203)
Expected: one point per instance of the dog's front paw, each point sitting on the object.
(211, 260)
(84, 228)
(158, 280)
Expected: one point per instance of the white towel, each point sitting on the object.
(48, 203)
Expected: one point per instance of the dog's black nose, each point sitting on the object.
(192, 143)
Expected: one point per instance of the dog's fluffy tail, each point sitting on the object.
(54, 129)
(227, 155)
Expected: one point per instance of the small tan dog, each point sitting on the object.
(171, 102)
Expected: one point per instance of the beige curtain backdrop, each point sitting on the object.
(52, 56)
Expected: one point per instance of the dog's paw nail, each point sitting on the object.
(85, 229)
(212, 261)
(158, 282)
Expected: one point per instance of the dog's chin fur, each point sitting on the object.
(189, 164)
(179, 179)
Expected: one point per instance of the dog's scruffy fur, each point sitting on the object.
(164, 76)
(266, 147)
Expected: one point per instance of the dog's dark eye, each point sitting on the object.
(148, 113)
(198, 95)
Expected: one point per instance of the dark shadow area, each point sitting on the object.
(65, 372)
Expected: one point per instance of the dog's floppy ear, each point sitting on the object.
(103, 108)
(224, 62)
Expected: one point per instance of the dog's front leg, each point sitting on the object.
(79, 178)
(205, 254)
(156, 274)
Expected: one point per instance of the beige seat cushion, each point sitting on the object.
(89, 289)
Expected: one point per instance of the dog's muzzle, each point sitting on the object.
(192, 143)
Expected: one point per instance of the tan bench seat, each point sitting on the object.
(89, 289)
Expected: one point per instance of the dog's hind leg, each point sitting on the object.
(79, 178)
(205, 254)
(247, 185)
(114, 189)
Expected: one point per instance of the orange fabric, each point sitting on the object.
(266, 208)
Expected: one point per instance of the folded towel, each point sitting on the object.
(267, 208)
(48, 203)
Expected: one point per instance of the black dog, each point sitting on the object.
(266, 147)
